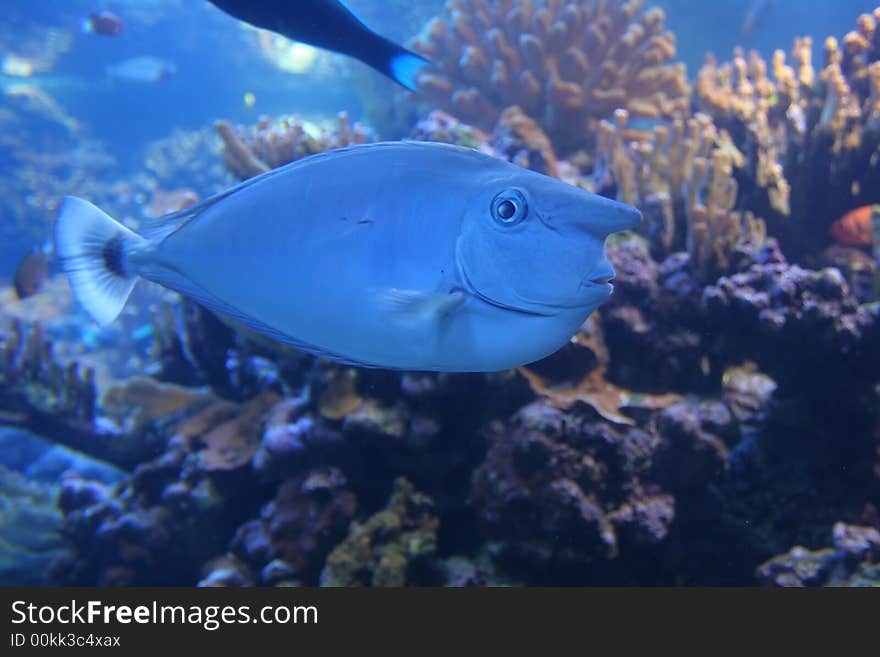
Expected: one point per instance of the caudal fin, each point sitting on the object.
(93, 249)
(404, 67)
(396, 62)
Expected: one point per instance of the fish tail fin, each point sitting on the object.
(396, 62)
(93, 250)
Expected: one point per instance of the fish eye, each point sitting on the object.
(509, 207)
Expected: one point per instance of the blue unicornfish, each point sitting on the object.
(330, 25)
(397, 255)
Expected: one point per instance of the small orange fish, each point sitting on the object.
(854, 228)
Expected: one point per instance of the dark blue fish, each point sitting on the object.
(330, 25)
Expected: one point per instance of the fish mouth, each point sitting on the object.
(537, 310)
(601, 274)
(602, 278)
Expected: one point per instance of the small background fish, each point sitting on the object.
(31, 274)
(104, 23)
(855, 227)
(143, 69)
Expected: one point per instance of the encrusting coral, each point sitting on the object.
(564, 63)
(853, 561)
(386, 548)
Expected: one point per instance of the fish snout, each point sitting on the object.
(599, 216)
(610, 216)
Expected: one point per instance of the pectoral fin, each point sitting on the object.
(411, 307)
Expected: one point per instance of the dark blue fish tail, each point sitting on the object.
(394, 61)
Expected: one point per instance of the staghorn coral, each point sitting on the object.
(31, 376)
(519, 139)
(715, 229)
(564, 63)
(270, 144)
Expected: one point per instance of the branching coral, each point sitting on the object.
(563, 62)
(681, 174)
(809, 136)
(715, 229)
(250, 152)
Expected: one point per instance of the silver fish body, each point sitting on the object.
(401, 255)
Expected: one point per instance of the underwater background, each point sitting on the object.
(715, 422)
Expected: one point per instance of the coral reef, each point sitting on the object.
(809, 135)
(681, 175)
(296, 530)
(389, 545)
(40, 394)
(853, 561)
(45, 157)
(30, 525)
(564, 63)
(720, 407)
(590, 473)
(270, 144)
(187, 159)
(151, 527)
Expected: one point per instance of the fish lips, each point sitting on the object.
(601, 277)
